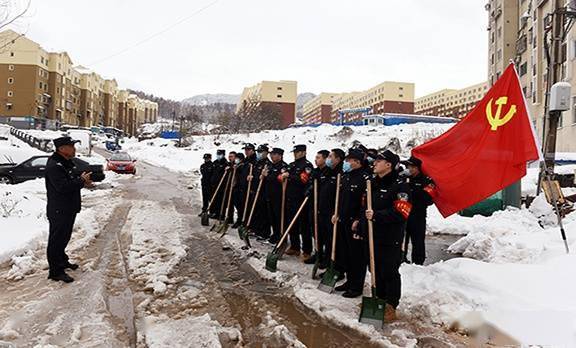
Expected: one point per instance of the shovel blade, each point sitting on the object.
(329, 280)
(241, 231)
(215, 226)
(272, 261)
(223, 229)
(372, 311)
(204, 219)
(315, 269)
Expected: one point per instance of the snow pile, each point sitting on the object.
(14, 150)
(278, 335)
(154, 253)
(400, 138)
(200, 331)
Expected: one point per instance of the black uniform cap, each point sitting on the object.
(413, 161)
(324, 153)
(220, 152)
(249, 146)
(300, 147)
(64, 141)
(389, 156)
(240, 155)
(262, 148)
(207, 155)
(355, 154)
(277, 150)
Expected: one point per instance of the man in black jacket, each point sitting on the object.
(273, 192)
(260, 223)
(219, 170)
(350, 256)
(390, 210)
(326, 205)
(298, 175)
(321, 175)
(64, 202)
(422, 191)
(206, 170)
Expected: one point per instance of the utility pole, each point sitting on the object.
(173, 118)
(180, 133)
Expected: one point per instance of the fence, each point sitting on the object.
(45, 145)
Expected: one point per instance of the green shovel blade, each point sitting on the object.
(272, 261)
(372, 311)
(329, 280)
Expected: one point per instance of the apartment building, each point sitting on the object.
(455, 103)
(516, 32)
(318, 109)
(280, 95)
(386, 97)
(44, 89)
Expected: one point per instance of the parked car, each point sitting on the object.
(35, 167)
(121, 162)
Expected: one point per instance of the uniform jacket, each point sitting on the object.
(206, 170)
(327, 192)
(62, 186)
(242, 173)
(218, 171)
(299, 179)
(352, 193)
(422, 190)
(272, 182)
(391, 205)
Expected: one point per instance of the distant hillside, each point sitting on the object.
(208, 99)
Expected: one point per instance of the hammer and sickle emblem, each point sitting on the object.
(495, 121)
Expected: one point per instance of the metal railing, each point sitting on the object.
(45, 145)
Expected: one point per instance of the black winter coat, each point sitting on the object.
(62, 187)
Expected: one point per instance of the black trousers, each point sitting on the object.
(274, 208)
(215, 208)
(60, 231)
(237, 199)
(325, 236)
(300, 235)
(416, 231)
(260, 223)
(355, 255)
(387, 259)
(206, 195)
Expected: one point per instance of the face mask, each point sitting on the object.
(237, 160)
(219, 157)
(370, 160)
(329, 162)
(346, 167)
(258, 156)
(405, 172)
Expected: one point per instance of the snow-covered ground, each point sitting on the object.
(514, 260)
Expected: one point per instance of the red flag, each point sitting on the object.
(485, 152)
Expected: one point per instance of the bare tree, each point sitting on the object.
(253, 116)
(11, 11)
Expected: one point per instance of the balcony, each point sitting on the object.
(521, 44)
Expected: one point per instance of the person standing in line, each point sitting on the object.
(273, 192)
(219, 170)
(206, 170)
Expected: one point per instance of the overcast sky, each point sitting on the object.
(325, 45)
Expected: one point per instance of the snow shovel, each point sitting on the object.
(246, 231)
(331, 276)
(224, 226)
(242, 227)
(275, 254)
(315, 211)
(218, 223)
(205, 220)
(372, 310)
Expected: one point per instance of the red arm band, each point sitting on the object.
(304, 176)
(403, 207)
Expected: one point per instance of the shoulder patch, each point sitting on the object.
(308, 170)
(402, 196)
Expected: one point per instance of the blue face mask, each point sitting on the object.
(370, 160)
(258, 156)
(346, 167)
(329, 162)
(219, 157)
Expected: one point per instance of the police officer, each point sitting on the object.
(64, 202)
(350, 248)
(206, 170)
(218, 171)
(422, 191)
(260, 223)
(390, 210)
(242, 176)
(298, 175)
(326, 205)
(236, 192)
(320, 174)
(273, 192)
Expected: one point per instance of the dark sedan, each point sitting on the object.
(35, 167)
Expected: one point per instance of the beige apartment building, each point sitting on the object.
(455, 103)
(280, 94)
(319, 109)
(516, 32)
(44, 89)
(386, 97)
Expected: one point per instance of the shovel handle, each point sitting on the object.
(284, 184)
(246, 201)
(291, 224)
(228, 184)
(335, 226)
(216, 192)
(230, 196)
(371, 234)
(316, 215)
(255, 198)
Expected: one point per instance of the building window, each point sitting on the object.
(11, 54)
(41, 85)
(10, 80)
(574, 110)
(10, 93)
(8, 106)
(11, 67)
(279, 88)
(279, 95)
